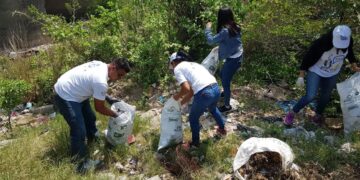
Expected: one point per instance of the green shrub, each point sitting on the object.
(12, 93)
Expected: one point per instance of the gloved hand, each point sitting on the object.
(300, 82)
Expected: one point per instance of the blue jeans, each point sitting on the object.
(230, 67)
(313, 83)
(205, 98)
(81, 120)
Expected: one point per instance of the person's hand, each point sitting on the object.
(177, 99)
(185, 108)
(300, 82)
(208, 25)
(355, 68)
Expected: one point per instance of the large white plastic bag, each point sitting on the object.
(121, 127)
(171, 125)
(256, 145)
(212, 60)
(349, 91)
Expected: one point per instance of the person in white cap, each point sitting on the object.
(322, 63)
(195, 80)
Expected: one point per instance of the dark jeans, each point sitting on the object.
(313, 83)
(228, 70)
(81, 120)
(205, 98)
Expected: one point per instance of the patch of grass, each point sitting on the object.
(43, 152)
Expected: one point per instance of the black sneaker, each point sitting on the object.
(225, 108)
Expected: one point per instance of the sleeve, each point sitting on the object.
(179, 75)
(223, 34)
(317, 48)
(350, 56)
(100, 90)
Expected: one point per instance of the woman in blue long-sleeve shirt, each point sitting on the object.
(230, 49)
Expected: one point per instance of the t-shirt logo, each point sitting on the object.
(343, 38)
(331, 64)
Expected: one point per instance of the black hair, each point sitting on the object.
(226, 19)
(122, 63)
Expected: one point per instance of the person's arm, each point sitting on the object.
(302, 73)
(224, 33)
(185, 92)
(317, 48)
(187, 97)
(102, 109)
(351, 57)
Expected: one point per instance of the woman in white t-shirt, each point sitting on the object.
(195, 80)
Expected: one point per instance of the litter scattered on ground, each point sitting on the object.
(299, 132)
(346, 148)
(329, 140)
(5, 143)
(250, 130)
(287, 105)
(47, 109)
(271, 119)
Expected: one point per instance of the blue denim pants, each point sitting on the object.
(313, 83)
(228, 70)
(81, 120)
(205, 98)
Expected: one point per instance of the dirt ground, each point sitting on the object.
(261, 165)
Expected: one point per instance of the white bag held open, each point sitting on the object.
(349, 91)
(212, 60)
(257, 145)
(171, 125)
(121, 127)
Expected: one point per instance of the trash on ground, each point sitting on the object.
(263, 157)
(250, 130)
(271, 119)
(298, 132)
(287, 105)
(329, 140)
(346, 148)
(5, 143)
(47, 109)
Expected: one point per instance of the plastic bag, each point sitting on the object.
(171, 124)
(212, 60)
(120, 128)
(256, 145)
(349, 91)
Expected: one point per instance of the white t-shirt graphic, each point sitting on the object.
(329, 63)
(84, 81)
(195, 74)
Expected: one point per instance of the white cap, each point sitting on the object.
(175, 56)
(341, 36)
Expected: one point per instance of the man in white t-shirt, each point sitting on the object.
(195, 80)
(73, 91)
